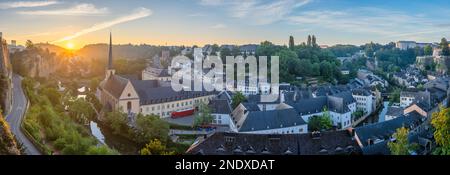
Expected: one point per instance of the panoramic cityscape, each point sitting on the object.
(216, 77)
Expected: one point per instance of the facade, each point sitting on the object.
(149, 97)
(365, 101)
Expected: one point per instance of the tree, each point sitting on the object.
(444, 47)
(29, 44)
(118, 122)
(314, 42)
(441, 123)
(150, 127)
(203, 116)
(428, 50)
(320, 123)
(237, 99)
(309, 42)
(400, 146)
(101, 150)
(291, 43)
(155, 147)
(81, 111)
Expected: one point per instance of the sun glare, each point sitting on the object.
(70, 46)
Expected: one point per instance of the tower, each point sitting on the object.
(109, 69)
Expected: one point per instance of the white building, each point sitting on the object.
(365, 101)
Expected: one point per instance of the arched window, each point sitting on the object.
(129, 106)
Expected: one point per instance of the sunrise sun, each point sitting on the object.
(70, 46)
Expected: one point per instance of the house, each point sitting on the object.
(249, 49)
(325, 143)
(221, 111)
(393, 112)
(340, 107)
(373, 138)
(365, 101)
(248, 118)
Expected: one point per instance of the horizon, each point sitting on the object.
(200, 22)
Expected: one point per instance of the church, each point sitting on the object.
(146, 96)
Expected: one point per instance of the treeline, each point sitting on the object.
(298, 62)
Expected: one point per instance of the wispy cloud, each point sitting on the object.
(20, 4)
(80, 9)
(197, 15)
(364, 20)
(258, 12)
(138, 14)
(218, 26)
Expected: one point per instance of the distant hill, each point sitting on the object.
(52, 48)
(100, 51)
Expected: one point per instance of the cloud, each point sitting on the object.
(363, 20)
(218, 26)
(80, 9)
(138, 14)
(197, 15)
(258, 12)
(20, 4)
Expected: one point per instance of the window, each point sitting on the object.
(153, 108)
(129, 106)
(129, 95)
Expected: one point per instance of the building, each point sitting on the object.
(405, 45)
(151, 73)
(340, 107)
(249, 49)
(393, 112)
(149, 97)
(326, 143)
(373, 138)
(248, 118)
(365, 101)
(221, 111)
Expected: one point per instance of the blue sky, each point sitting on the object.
(189, 22)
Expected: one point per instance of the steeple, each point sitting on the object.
(110, 70)
(110, 52)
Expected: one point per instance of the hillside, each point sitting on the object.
(100, 51)
(51, 48)
(8, 145)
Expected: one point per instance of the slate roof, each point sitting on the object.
(384, 130)
(361, 92)
(394, 111)
(274, 119)
(336, 103)
(218, 106)
(251, 106)
(151, 93)
(328, 143)
(115, 85)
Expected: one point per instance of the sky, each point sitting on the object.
(198, 22)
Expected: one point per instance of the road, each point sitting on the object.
(17, 114)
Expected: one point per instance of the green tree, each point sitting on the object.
(118, 122)
(150, 127)
(203, 116)
(81, 111)
(29, 44)
(155, 147)
(444, 47)
(320, 123)
(441, 123)
(101, 150)
(237, 99)
(400, 146)
(291, 42)
(309, 41)
(428, 50)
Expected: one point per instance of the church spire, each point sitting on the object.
(110, 52)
